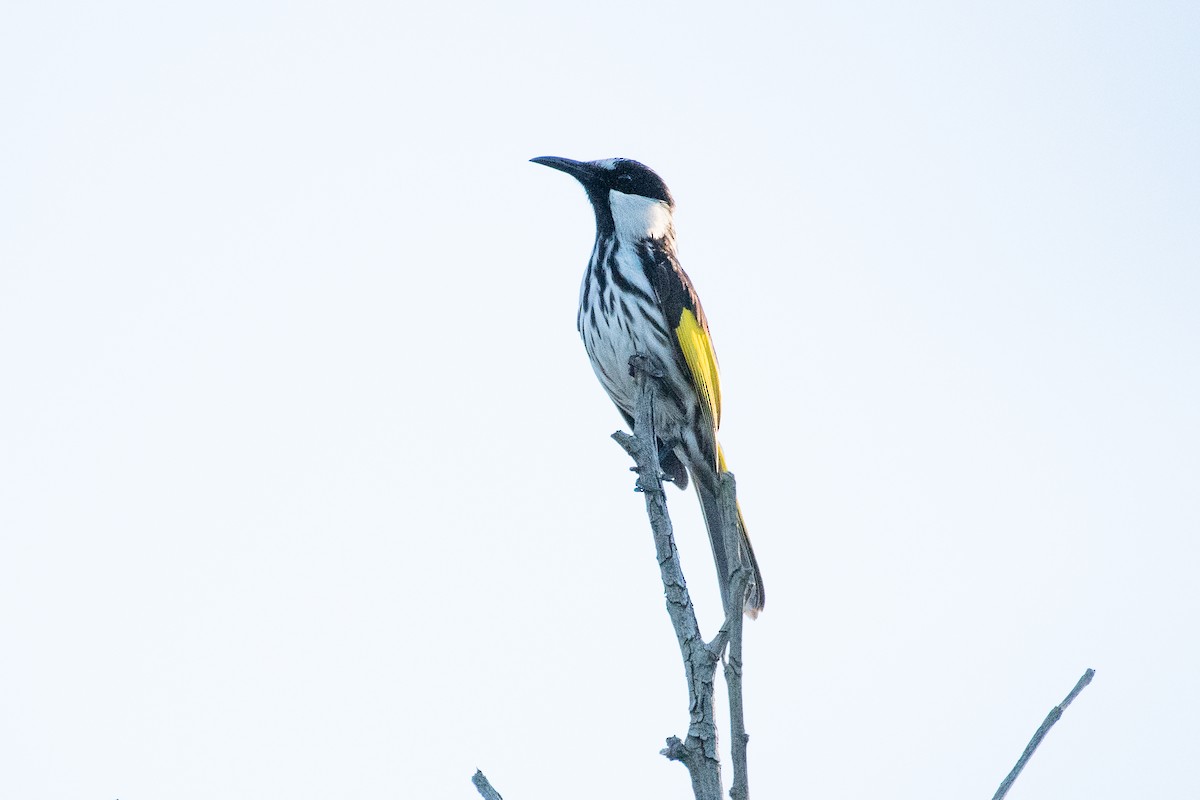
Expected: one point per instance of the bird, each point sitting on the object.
(636, 299)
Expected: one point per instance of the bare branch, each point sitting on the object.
(1047, 724)
(481, 783)
(698, 752)
(739, 580)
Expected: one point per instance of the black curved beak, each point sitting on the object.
(580, 170)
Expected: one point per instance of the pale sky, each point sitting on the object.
(306, 489)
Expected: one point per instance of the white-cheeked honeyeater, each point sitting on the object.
(637, 300)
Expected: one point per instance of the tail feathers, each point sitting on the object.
(755, 594)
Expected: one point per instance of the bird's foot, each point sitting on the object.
(637, 487)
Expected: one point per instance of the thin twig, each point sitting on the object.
(481, 783)
(1051, 718)
(734, 617)
(699, 751)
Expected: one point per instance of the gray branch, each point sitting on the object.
(699, 751)
(481, 783)
(739, 580)
(1051, 718)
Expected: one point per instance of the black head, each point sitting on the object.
(622, 175)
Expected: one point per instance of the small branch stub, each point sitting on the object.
(739, 580)
(485, 788)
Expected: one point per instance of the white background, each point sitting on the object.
(305, 485)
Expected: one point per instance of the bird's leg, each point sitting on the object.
(661, 454)
(670, 468)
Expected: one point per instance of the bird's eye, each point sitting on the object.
(625, 180)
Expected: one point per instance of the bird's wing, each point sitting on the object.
(696, 344)
(681, 306)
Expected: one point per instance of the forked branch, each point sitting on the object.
(698, 752)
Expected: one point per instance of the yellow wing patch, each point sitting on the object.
(702, 361)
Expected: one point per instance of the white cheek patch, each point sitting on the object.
(636, 217)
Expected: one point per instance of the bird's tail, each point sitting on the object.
(708, 488)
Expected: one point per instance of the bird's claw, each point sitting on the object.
(662, 478)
